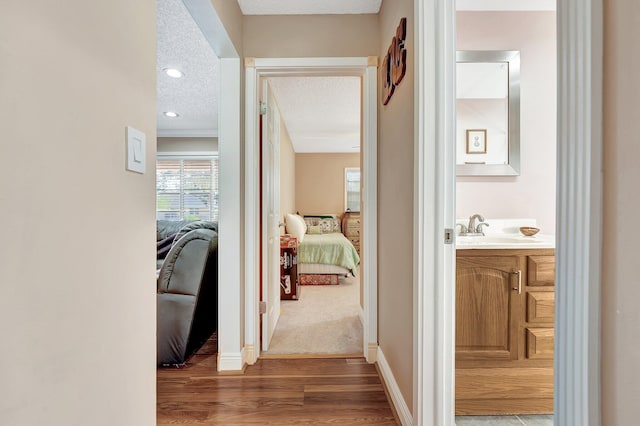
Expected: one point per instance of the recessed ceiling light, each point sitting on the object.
(173, 72)
(171, 114)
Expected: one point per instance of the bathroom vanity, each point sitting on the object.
(505, 297)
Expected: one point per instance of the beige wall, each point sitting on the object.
(532, 194)
(320, 182)
(182, 145)
(620, 289)
(285, 36)
(287, 174)
(77, 310)
(395, 208)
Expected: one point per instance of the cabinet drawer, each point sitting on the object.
(541, 306)
(540, 343)
(542, 270)
(352, 227)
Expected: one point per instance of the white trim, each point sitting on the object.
(231, 361)
(369, 243)
(434, 189)
(579, 207)
(261, 67)
(404, 414)
(252, 212)
(249, 355)
(229, 245)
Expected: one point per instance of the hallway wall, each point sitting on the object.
(395, 207)
(620, 290)
(78, 304)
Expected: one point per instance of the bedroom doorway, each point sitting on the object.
(362, 70)
(312, 124)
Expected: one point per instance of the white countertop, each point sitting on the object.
(505, 241)
(504, 234)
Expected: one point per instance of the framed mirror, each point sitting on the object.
(488, 113)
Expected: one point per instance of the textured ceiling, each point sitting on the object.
(322, 114)
(308, 7)
(180, 44)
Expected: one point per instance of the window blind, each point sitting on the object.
(187, 188)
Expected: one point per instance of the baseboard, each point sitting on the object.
(231, 362)
(372, 353)
(401, 407)
(249, 354)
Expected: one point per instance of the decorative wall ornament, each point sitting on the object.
(394, 65)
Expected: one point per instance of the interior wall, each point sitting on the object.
(287, 174)
(532, 194)
(78, 303)
(620, 290)
(168, 145)
(395, 207)
(320, 182)
(291, 36)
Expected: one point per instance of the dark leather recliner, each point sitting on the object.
(187, 297)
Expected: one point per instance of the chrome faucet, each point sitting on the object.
(474, 229)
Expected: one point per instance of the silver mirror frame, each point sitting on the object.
(512, 57)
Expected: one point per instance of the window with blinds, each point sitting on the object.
(187, 188)
(352, 189)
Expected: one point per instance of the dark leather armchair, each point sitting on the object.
(187, 297)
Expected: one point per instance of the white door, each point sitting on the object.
(270, 216)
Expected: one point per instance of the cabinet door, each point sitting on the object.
(488, 305)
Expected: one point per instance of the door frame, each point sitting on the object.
(256, 68)
(579, 207)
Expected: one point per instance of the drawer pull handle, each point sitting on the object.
(519, 288)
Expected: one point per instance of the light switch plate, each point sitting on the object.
(136, 150)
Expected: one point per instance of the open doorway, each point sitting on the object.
(506, 183)
(312, 126)
(366, 70)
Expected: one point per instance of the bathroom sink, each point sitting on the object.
(506, 241)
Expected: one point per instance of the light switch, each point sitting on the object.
(136, 150)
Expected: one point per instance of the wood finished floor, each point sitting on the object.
(344, 391)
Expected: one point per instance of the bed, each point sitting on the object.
(322, 248)
(329, 253)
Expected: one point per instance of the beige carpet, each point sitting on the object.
(324, 320)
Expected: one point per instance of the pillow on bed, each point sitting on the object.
(314, 229)
(327, 225)
(296, 226)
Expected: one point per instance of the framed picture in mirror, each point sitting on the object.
(477, 141)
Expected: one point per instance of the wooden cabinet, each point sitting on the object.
(351, 225)
(505, 304)
(288, 268)
(487, 308)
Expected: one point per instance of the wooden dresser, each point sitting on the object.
(351, 225)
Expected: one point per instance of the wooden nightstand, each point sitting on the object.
(288, 268)
(351, 225)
